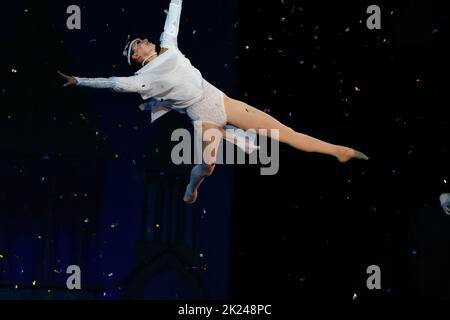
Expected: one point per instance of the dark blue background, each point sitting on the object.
(77, 165)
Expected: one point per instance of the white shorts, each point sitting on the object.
(211, 108)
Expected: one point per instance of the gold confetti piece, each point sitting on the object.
(347, 30)
(357, 89)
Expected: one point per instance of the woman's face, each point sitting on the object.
(142, 49)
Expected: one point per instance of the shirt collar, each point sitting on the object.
(156, 62)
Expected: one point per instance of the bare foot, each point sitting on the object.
(190, 197)
(345, 154)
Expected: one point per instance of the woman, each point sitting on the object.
(169, 80)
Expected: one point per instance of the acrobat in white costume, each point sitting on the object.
(170, 82)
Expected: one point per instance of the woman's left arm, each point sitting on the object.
(169, 38)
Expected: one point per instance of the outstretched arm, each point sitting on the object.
(117, 84)
(172, 25)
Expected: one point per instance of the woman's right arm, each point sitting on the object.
(116, 84)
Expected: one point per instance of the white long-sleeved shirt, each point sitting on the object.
(169, 81)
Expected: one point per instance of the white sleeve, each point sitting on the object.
(117, 84)
(172, 25)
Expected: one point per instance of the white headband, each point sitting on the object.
(127, 51)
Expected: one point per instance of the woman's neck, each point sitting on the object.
(148, 59)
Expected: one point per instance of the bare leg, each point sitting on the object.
(206, 168)
(247, 117)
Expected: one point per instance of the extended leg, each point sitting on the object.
(206, 168)
(246, 117)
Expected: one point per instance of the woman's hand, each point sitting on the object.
(69, 81)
